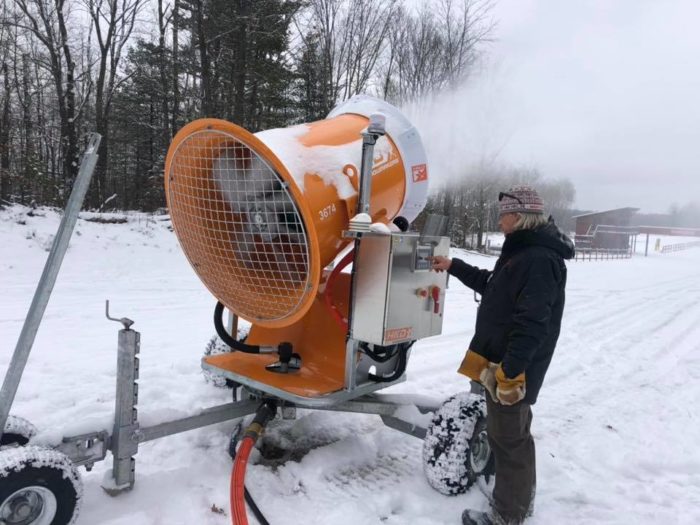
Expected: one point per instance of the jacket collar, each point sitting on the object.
(548, 236)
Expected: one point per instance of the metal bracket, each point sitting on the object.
(386, 406)
(86, 449)
(125, 321)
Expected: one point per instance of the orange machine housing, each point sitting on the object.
(260, 216)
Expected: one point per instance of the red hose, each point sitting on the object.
(328, 293)
(238, 510)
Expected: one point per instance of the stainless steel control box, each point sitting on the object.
(397, 297)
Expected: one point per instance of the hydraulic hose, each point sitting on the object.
(238, 493)
(401, 363)
(380, 357)
(226, 337)
(238, 511)
(328, 293)
(256, 511)
(248, 498)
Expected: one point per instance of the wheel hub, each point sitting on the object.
(480, 452)
(29, 506)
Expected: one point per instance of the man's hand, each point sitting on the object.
(479, 369)
(440, 263)
(509, 391)
(487, 379)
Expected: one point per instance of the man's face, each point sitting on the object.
(506, 222)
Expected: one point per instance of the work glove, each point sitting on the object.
(509, 391)
(481, 370)
(488, 381)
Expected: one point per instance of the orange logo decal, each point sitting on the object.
(398, 334)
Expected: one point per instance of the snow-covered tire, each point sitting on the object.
(453, 450)
(18, 431)
(216, 346)
(38, 486)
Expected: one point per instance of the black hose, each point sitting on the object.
(401, 363)
(383, 357)
(226, 337)
(256, 511)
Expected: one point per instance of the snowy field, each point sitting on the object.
(617, 425)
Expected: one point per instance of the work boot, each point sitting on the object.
(475, 517)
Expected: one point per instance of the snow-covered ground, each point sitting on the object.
(617, 425)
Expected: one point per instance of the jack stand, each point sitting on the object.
(124, 443)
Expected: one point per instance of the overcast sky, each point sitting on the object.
(606, 93)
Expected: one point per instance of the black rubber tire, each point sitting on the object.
(448, 444)
(37, 467)
(18, 431)
(216, 346)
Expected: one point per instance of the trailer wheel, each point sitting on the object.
(38, 486)
(216, 346)
(456, 449)
(18, 431)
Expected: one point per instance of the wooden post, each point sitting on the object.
(646, 248)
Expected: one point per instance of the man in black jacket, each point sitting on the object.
(517, 327)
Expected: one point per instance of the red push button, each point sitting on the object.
(435, 293)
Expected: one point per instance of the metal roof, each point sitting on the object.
(616, 210)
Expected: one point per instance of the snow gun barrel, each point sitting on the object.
(260, 215)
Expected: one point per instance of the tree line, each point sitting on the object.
(136, 71)
(685, 216)
(470, 202)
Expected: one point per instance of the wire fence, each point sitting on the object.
(599, 254)
(679, 247)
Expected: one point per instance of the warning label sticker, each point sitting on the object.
(420, 172)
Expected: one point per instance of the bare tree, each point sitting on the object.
(349, 38)
(4, 114)
(47, 21)
(366, 24)
(176, 69)
(435, 48)
(112, 22)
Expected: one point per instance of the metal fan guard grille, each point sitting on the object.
(239, 226)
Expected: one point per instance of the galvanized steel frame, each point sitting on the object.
(47, 280)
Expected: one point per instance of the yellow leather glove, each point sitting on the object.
(509, 391)
(481, 370)
(488, 380)
(472, 365)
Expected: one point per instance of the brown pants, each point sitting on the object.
(514, 451)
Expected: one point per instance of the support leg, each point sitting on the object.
(124, 444)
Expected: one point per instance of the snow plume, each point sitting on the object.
(464, 130)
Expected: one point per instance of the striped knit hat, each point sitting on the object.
(520, 199)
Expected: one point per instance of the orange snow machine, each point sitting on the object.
(262, 216)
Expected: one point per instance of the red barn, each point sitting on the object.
(606, 230)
